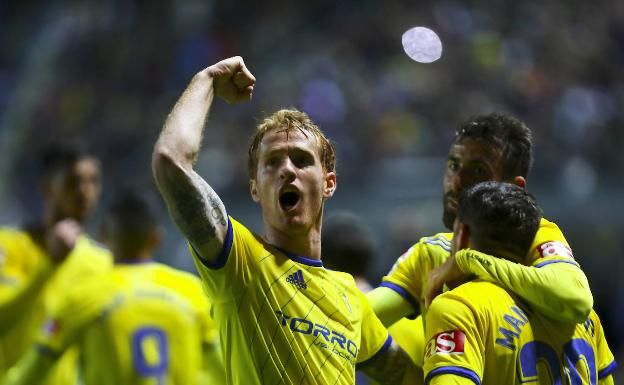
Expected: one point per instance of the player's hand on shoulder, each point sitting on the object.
(233, 82)
(447, 273)
(61, 239)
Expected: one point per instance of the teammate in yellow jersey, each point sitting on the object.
(488, 147)
(283, 318)
(479, 333)
(349, 246)
(140, 323)
(40, 261)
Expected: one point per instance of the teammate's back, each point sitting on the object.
(481, 332)
(132, 328)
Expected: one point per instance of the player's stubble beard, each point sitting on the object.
(449, 213)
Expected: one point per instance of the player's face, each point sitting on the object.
(469, 162)
(74, 192)
(291, 183)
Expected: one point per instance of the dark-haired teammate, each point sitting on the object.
(283, 318)
(140, 323)
(44, 259)
(479, 333)
(499, 148)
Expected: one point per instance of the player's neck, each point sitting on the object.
(123, 257)
(307, 244)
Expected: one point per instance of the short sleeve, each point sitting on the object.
(454, 345)
(375, 338)
(66, 321)
(405, 276)
(230, 272)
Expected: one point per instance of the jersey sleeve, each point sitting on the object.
(405, 276)
(68, 319)
(375, 339)
(450, 379)
(605, 362)
(555, 285)
(454, 343)
(230, 272)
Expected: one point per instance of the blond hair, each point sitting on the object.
(287, 120)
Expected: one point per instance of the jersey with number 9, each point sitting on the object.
(139, 324)
(480, 332)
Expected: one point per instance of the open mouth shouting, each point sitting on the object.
(289, 197)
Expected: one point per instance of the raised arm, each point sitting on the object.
(193, 205)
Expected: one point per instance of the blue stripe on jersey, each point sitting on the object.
(300, 259)
(438, 238)
(403, 293)
(608, 370)
(557, 261)
(456, 370)
(225, 252)
(377, 355)
(439, 242)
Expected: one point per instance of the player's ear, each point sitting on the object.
(253, 189)
(330, 184)
(519, 181)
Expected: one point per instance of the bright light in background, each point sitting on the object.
(422, 45)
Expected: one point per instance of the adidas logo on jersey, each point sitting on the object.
(297, 280)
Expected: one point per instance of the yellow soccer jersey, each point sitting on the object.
(409, 275)
(140, 323)
(22, 258)
(285, 319)
(480, 332)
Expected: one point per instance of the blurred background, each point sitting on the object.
(108, 71)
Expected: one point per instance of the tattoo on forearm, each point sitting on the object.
(196, 209)
(390, 368)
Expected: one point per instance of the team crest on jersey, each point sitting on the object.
(450, 342)
(346, 301)
(548, 249)
(51, 327)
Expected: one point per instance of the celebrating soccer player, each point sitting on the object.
(489, 147)
(479, 333)
(282, 317)
(42, 260)
(140, 323)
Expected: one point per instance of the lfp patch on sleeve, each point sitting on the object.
(450, 342)
(549, 249)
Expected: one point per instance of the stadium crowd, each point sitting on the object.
(108, 72)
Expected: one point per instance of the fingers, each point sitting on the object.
(233, 81)
(434, 288)
(243, 78)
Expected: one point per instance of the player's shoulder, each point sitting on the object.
(437, 241)
(341, 277)
(435, 248)
(476, 293)
(549, 231)
(13, 235)
(94, 250)
(176, 274)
